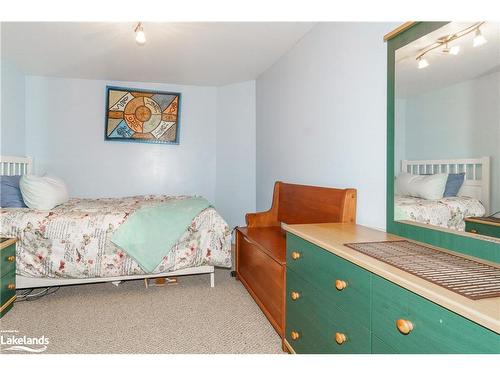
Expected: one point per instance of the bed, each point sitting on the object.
(71, 244)
(472, 199)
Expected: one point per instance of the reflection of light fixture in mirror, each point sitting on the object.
(452, 51)
(479, 39)
(422, 63)
(140, 37)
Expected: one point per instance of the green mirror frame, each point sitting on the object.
(463, 243)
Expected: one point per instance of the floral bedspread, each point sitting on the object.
(446, 212)
(74, 239)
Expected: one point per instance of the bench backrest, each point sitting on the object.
(301, 204)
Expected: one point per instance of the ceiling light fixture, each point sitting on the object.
(140, 37)
(479, 39)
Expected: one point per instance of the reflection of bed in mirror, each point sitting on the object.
(472, 200)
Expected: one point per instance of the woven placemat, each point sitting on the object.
(469, 278)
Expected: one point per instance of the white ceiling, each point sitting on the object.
(187, 53)
(446, 70)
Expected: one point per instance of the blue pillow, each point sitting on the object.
(10, 193)
(453, 184)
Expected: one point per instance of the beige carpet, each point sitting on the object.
(189, 317)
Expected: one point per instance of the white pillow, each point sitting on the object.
(421, 186)
(43, 192)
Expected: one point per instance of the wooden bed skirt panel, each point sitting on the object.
(264, 279)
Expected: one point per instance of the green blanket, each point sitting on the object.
(150, 232)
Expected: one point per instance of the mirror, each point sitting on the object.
(447, 129)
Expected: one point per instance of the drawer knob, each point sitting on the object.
(340, 284)
(404, 326)
(295, 255)
(340, 338)
(294, 335)
(11, 286)
(473, 231)
(11, 258)
(294, 296)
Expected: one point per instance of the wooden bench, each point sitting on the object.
(261, 245)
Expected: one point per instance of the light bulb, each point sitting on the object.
(479, 39)
(140, 37)
(451, 51)
(422, 63)
(454, 50)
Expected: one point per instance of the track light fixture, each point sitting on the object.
(453, 50)
(422, 63)
(445, 41)
(479, 39)
(140, 37)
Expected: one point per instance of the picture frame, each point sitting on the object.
(142, 115)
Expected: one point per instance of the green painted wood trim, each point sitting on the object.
(467, 245)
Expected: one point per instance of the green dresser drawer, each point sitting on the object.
(380, 347)
(310, 340)
(6, 289)
(435, 329)
(318, 319)
(323, 269)
(484, 228)
(7, 259)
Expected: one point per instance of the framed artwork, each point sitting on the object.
(142, 115)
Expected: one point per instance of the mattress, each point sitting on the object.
(445, 212)
(73, 240)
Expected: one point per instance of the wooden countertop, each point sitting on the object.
(332, 237)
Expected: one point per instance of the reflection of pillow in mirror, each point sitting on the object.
(421, 186)
(453, 184)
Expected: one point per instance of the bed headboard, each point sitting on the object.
(477, 174)
(15, 165)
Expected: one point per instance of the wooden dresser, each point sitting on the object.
(339, 300)
(7, 274)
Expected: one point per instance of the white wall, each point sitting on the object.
(321, 116)
(12, 116)
(65, 136)
(235, 178)
(215, 157)
(458, 121)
